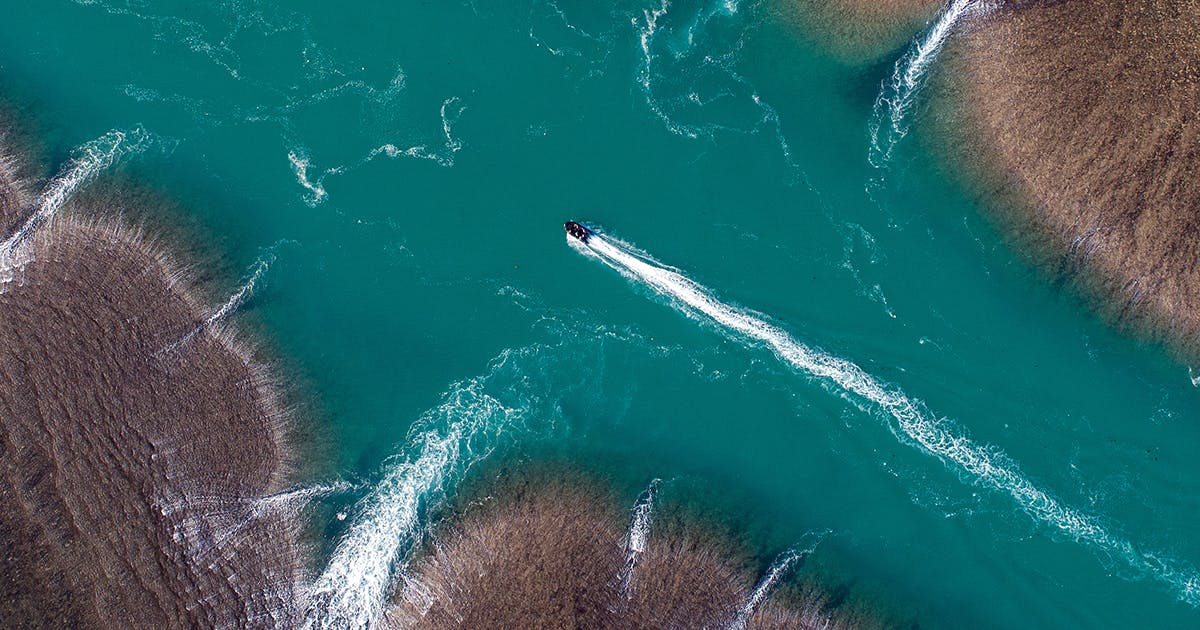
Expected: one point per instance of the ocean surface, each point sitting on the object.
(794, 319)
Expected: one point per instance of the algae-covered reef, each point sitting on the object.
(136, 471)
(1082, 121)
(859, 31)
(558, 551)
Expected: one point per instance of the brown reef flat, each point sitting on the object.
(548, 553)
(859, 31)
(14, 193)
(132, 474)
(1083, 119)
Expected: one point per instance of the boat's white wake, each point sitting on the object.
(352, 590)
(909, 419)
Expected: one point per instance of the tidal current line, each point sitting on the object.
(908, 418)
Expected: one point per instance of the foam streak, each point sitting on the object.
(451, 110)
(778, 569)
(352, 591)
(909, 419)
(638, 535)
(236, 300)
(86, 163)
(896, 99)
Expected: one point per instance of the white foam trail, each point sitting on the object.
(352, 591)
(295, 499)
(243, 292)
(638, 534)
(223, 517)
(646, 33)
(235, 301)
(908, 418)
(451, 109)
(778, 569)
(300, 165)
(896, 98)
(86, 163)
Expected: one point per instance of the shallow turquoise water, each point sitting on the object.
(406, 270)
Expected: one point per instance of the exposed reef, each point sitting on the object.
(859, 31)
(136, 472)
(1080, 120)
(548, 552)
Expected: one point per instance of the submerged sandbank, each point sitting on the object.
(1080, 120)
(550, 550)
(133, 468)
(859, 31)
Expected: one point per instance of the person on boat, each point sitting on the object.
(576, 230)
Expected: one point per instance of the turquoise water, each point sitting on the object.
(417, 161)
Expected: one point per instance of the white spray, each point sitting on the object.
(447, 440)
(239, 297)
(86, 163)
(890, 122)
(638, 535)
(777, 571)
(907, 418)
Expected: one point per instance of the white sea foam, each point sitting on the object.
(692, 65)
(647, 30)
(898, 94)
(638, 535)
(549, 11)
(446, 441)
(87, 162)
(444, 155)
(216, 40)
(909, 419)
(300, 165)
(777, 571)
(235, 301)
